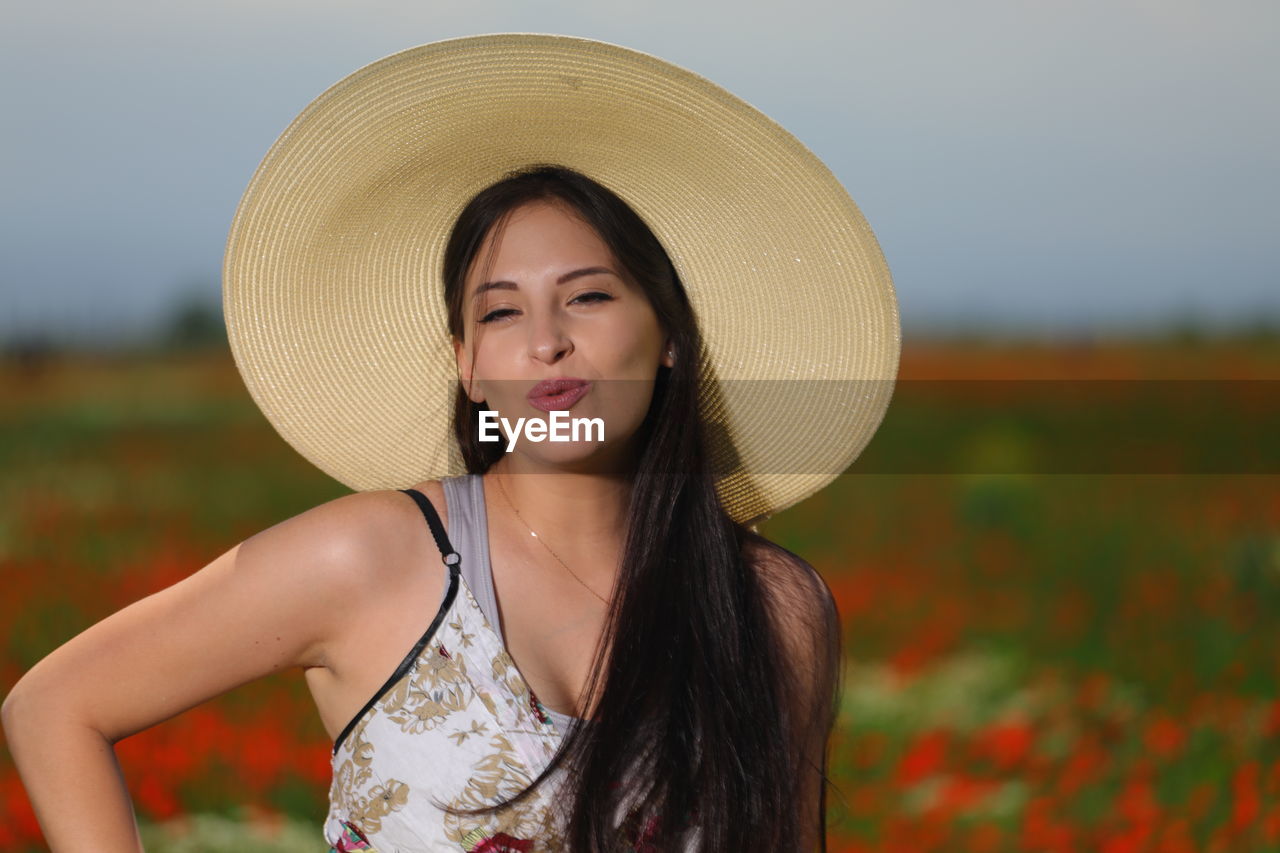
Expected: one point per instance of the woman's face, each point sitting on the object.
(556, 304)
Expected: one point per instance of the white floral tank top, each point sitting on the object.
(455, 724)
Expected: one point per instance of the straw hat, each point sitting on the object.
(332, 283)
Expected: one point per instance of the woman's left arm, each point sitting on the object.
(804, 612)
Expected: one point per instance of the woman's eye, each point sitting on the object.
(497, 314)
(584, 298)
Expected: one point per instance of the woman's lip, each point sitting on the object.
(559, 402)
(551, 387)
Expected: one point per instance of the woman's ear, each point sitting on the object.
(668, 354)
(465, 371)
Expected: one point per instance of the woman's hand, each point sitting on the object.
(263, 606)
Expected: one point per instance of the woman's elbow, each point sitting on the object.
(33, 703)
(16, 712)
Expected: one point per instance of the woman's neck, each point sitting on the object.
(579, 511)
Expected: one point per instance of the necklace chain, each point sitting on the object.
(507, 498)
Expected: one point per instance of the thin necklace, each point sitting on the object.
(507, 498)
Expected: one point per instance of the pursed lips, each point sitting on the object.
(552, 387)
(556, 394)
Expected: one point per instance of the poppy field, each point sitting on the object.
(1057, 567)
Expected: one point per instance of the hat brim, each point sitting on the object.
(332, 284)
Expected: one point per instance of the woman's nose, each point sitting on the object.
(548, 340)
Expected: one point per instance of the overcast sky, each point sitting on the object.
(1059, 163)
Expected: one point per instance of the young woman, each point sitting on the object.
(575, 645)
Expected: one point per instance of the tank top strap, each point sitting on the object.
(469, 530)
(451, 560)
(447, 553)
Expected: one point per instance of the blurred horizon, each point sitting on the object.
(192, 322)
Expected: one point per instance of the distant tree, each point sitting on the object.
(30, 352)
(1261, 329)
(1187, 329)
(195, 323)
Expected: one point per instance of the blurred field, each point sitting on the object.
(1050, 657)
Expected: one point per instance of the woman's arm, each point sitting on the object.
(804, 612)
(263, 606)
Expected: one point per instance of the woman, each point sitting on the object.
(617, 570)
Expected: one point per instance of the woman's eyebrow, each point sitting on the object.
(569, 276)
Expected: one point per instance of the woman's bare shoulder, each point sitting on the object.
(434, 490)
(350, 538)
(798, 596)
(779, 568)
(344, 527)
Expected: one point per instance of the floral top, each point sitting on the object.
(455, 724)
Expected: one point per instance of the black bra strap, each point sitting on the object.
(450, 556)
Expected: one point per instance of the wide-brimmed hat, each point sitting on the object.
(332, 284)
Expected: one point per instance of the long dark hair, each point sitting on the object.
(720, 652)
